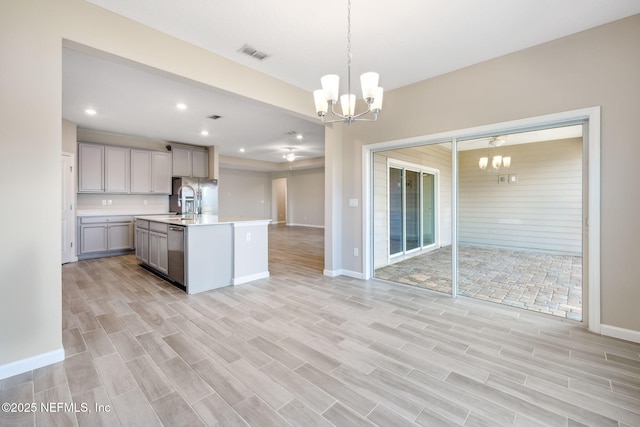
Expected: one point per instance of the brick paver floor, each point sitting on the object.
(534, 281)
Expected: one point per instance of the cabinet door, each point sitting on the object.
(181, 162)
(140, 171)
(200, 164)
(153, 249)
(91, 168)
(93, 238)
(120, 236)
(116, 167)
(158, 252)
(163, 254)
(142, 245)
(160, 172)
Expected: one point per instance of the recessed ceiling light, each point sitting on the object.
(204, 133)
(90, 112)
(299, 136)
(181, 106)
(242, 150)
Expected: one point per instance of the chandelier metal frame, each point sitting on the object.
(371, 92)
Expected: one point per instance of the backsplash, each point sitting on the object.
(128, 203)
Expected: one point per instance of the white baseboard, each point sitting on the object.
(250, 278)
(342, 272)
(621, 333)
(31, 363)
(293, 224)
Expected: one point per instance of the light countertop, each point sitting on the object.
(198, 220)
(120, 212)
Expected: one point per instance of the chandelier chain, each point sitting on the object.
(349, 55)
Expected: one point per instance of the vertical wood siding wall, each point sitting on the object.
(541, 212)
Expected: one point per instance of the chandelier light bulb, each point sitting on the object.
(348, 103)
(369, 83)
(483, 163)
(506, 161)
(331, 86)
(320, 99)
(496, 161)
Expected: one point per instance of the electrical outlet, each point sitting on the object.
(109, 202)
(355, 251)
(248, 236)
(104, 203)
(145, 203)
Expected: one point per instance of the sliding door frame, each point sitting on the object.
(420, 170)
(591, 138)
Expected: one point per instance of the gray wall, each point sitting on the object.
(244, 194)
(247, 194)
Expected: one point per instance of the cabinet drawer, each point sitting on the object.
(159, 227)
(103, 219)
(142, 223)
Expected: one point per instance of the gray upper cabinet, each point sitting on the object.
(160, 172)
(181, 162)
(200, 162)
(150, 172)
(140, 171)
(194, 163)
(110, 169)
(91, 168)
(116, 169)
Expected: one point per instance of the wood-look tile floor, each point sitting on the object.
(302, 349)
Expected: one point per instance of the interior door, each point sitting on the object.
(68, 211)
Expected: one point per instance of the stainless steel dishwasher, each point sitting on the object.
(176, 254)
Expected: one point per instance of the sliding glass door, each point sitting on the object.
(412, 210)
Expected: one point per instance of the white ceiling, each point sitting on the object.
(405, 42)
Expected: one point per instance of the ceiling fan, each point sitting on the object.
(291, 156)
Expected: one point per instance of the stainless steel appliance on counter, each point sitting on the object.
(175, 246)
(194, 195)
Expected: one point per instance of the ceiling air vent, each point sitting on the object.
(214, 117)
(253, 52)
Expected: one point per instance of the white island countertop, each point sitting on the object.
(198, 220)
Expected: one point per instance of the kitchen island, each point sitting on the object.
(203, 252)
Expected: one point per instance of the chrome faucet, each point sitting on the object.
(184, 199)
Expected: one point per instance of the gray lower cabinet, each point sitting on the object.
(142, 240)
(152, 245)
(159, 252)
(105, 235)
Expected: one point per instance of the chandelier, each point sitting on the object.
(371, 92)
(498, 160)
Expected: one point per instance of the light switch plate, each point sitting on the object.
(353, 203)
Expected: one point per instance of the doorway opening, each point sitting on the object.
(279, 201)
(518, 234)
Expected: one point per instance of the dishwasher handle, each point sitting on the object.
(174, 228)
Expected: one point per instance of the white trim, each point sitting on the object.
(591, 114)
(250, 278)
(342, 272)
(293, 224)
(30, 363)
(620, 333)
